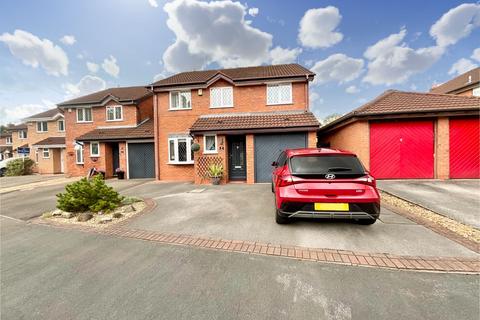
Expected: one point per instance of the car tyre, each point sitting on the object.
(281, 220)
(273, 188)
(367, 221)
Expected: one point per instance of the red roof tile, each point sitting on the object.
(121, 94)
(51, 141)
(255, 120)
(49, 114)
(142, 131)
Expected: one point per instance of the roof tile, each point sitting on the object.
(468, 78)
(122, 94)
(143, 130)
(50, 141)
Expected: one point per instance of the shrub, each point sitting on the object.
(20, 167)
(88, 195)
(130, 200)
(215, 170)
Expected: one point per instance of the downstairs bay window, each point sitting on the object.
(179, 150)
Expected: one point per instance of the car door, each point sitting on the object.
(277, 170)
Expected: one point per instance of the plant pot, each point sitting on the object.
(121, 175)
(216, 180)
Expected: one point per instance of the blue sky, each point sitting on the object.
(358, 48)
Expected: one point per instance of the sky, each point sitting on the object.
(54, 50)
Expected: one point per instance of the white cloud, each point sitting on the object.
(281, 55)
(92, 67)
(88, 84)
(68, 40)
(35, 52)
(159, 76)
(391, 61)
(253, 12)
(318, 28)
(476, 54)
(213, 32)
(80, 56)
(461, 66)
(338, 68)
(153, 3)
(315, 99)
(110, 66)
(15, 114)
(456, 24)
(352, 90)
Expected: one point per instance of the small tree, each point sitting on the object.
(20, 167)
(88, 195)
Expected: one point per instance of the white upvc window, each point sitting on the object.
(180, 100)
(8, 140)
(114, 113)
(79, 154)
(42, 126)
(221, 97)
(476, 92)
(179, 150)
(279, 93)
(46, 153)
(94, 149)
(210, 143)
(84, 114)
(61, 125)
(22, 134)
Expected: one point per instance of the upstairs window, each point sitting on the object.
(279, 93)
(8, 140)
(476, 92)
(42, 126)
(114, 113)
(84, 115)
(180, 100)
(221, 97)
(22, 134)
(179, 150)
(61, 125)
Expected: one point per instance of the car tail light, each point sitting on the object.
(368, 180)
(285, 180)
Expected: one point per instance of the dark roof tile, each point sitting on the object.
(50, 141)
(464, 80)
(143, 130)
(121, 94)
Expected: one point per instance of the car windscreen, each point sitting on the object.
(344, 166)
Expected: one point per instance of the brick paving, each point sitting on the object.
(345, 257)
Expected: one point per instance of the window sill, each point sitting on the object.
(180, 163)
(95, 156)
(84, 121)
(116, 120)
(210, 152)
(80, 163)
(280, 104)
(222, 107)
(170, 109)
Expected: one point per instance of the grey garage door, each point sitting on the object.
(141, 160)
(268, 148)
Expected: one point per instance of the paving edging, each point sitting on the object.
(344, 257)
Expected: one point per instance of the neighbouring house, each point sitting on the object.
(5, 145)
(19, 138)
(411, 135)
(241, 118)
(45, 137)
(109, 130)
(467, 84)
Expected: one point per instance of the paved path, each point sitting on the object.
(456, 199)
(50, 273)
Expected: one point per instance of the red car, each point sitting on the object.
(323, 183)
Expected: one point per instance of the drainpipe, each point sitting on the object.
(156, 144)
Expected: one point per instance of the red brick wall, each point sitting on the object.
(245, 99)
(442, 148)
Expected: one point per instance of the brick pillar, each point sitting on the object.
(312, 139)
(442, 149)
(250, 147)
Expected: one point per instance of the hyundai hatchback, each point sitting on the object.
(323, 183)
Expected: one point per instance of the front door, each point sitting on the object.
(237, 164)
(115, 158)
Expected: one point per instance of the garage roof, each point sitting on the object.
(255, 120)
(393, 102)
(144, 130)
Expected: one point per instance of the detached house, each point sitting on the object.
(109, 130)
(45, 137)
(241, 118)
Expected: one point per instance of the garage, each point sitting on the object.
(402, 149)
(268, 148)
(141, 160)
(464, 148)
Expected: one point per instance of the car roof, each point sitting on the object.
(316, 151)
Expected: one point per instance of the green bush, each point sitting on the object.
(89, 195)
(20, 167)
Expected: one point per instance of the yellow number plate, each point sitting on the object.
(331, 207)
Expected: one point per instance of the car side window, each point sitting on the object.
(281, 159)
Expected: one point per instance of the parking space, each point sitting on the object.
(246, 212)
(456, 199)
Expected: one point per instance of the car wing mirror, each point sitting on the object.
(274, 164)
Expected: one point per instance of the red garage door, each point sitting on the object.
(464, 148)
(402, 150)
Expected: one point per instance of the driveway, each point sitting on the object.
(246, 212)
(456, 199)
(51, 273)
(7, 182)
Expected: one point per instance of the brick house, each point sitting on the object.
(108, 130)
(45, 137)
(467, 84)
(411, 135)
(240, 117)
(5, 145)
(19, 137)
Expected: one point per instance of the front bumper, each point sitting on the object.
(305, 210)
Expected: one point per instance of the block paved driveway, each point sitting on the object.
(246, 212)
